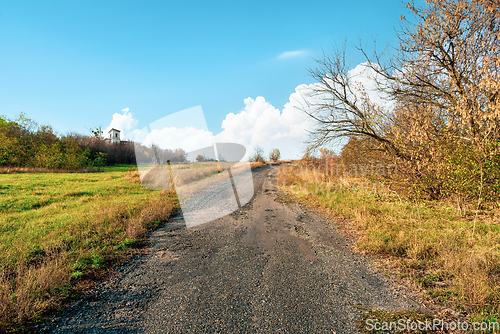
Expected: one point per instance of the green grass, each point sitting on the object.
(68, 224)
(51, 210)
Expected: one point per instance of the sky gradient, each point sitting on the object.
(74, 65)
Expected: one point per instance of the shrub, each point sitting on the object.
(274, 155)
(258, 154)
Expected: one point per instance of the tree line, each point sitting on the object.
(24, 143)
(258, 155)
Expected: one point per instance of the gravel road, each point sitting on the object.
(270, 267)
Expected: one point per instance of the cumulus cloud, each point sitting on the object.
(259, 123)
(126, 109)
(185, 129)
(291, 54)
(262, 124)
(188, 138)
(367, 77)
(123, 122)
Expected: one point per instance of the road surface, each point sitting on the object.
(270, 267)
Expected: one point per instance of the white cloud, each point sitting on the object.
(367, 77)
(258, 124)
(261, 124)
(291, 54)
(126, 109)
(189, 138)
(123, 122)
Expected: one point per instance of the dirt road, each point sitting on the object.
(270, 267)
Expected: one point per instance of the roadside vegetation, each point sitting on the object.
(64, 222)
(275, 155)
(453, 258)
(419, 175)
(60, 231)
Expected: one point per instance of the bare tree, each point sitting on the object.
(341, 107)
(444, 86)
(444, 78)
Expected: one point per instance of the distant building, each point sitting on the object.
(114, 137)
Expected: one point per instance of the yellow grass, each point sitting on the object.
(432, 245)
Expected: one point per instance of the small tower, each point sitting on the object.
(114, 136)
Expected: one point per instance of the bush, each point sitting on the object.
(274, 155)
(24, 143)
(443, 127)
(258, 154)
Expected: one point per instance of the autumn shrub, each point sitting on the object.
(274, 155)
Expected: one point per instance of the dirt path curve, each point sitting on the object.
(270, 267)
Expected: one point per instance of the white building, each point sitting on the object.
(114, 136)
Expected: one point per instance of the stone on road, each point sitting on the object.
(271, 266)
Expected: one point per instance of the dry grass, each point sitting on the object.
(54, 239)
(184, 174)
(39, 274)
(158, 177)
(256, 164)
(32, 289)
(437, 249)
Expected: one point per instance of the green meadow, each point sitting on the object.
(58, 230)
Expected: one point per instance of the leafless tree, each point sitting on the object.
(341, 107)
(447, 64)
(443, 83)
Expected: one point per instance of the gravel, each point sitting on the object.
(271, 266)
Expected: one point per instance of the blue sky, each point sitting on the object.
(73, 65)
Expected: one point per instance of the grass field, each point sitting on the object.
(60, 229)
(453, 259)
